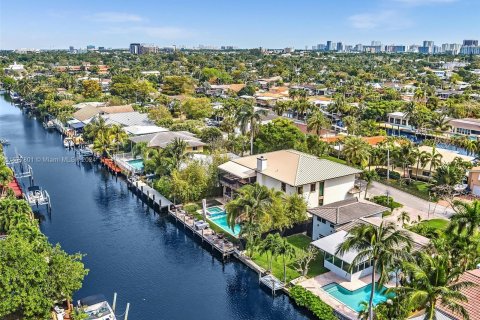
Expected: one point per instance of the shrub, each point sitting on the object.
(387, 202)
(192, 207)
(382, 172)
(305, 298)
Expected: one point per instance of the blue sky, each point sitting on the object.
(246, 23)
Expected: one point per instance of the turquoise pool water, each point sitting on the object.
(215, 210)
(137, 164)
(354, 298)
(221, 221)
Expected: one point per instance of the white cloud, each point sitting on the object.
(166, 33)
(115, 17)
(386, 19)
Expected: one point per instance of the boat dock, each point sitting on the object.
(272, 283)
(201, 229)
(149, 195)
(111, 165)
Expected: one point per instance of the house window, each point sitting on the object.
(284, 187)
(332, 226)
(300, 190)
(321, 188)
(313, 187)
(194, 148)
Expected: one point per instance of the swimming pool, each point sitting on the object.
(353, 298)
(215, 210)
(137, 164)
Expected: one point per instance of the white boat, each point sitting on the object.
(4, 142)
(96, 307)
(68, 143)
(35, 196)
(49, 124)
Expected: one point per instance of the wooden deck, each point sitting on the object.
(222, 245)
(151, 195)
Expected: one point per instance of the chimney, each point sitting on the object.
(261, 163)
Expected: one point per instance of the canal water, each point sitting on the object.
(149, 261)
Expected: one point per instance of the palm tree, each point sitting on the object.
(369, 176)
(403, 218)
(287, 251)
(249, 118)
(467, 218)
(375, 244)
(177, 151)
(250, 205)
(433, 279)
(356, 151)
(435, 159)
(104, 143)
(421, 159)
(439, 123)
(12, 212)
(268, 246)
(316, 122)
(119, 135)
(281, 107)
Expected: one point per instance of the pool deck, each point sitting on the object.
(225, 247)
(315, 285)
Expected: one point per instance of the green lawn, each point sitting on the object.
(417, 188)
(300, 242)
(440, 224)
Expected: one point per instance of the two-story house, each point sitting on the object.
(319, 181)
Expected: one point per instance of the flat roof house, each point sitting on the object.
(319, 181)
(466, 126)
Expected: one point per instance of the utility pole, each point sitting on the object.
(388, 164)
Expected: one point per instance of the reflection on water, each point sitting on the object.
(163, 271)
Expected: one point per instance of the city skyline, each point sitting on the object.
(189, 23)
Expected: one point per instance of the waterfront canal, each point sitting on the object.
(149, 261)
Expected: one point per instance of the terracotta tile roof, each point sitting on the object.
(373, 141)
(472, 294)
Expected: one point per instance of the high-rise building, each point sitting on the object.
(329, 46)
(358, 47)
(470, 42)
(339, 46)
(376, 43)
(470, 50)
(135, 48)
(90, 47)
(148, 48)
(71, 49)
(428, 43)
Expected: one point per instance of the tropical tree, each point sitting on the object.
(404, 218)
(434, 158)
(466, 219)
(316, 122)
(269, 246)
(433, 279)
(356, 151)
(369, 176)
(249, 119)
(286, 251)
(249, 206)
(375, 244)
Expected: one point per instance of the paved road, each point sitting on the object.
(410, 201)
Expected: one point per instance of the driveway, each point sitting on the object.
(428, 209)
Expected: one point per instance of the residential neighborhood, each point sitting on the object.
(147, 179)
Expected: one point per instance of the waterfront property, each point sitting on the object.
(319, 181)
(447, 156)
(218, 216)
(328, 218)
(353, 299)
(160, 140)
(467, 127)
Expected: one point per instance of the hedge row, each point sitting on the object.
(305, 298)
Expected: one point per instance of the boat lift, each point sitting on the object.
(36, 196)
(20, 168)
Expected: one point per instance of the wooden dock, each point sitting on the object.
(272, 282)
(222, 245)
(149, 195)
